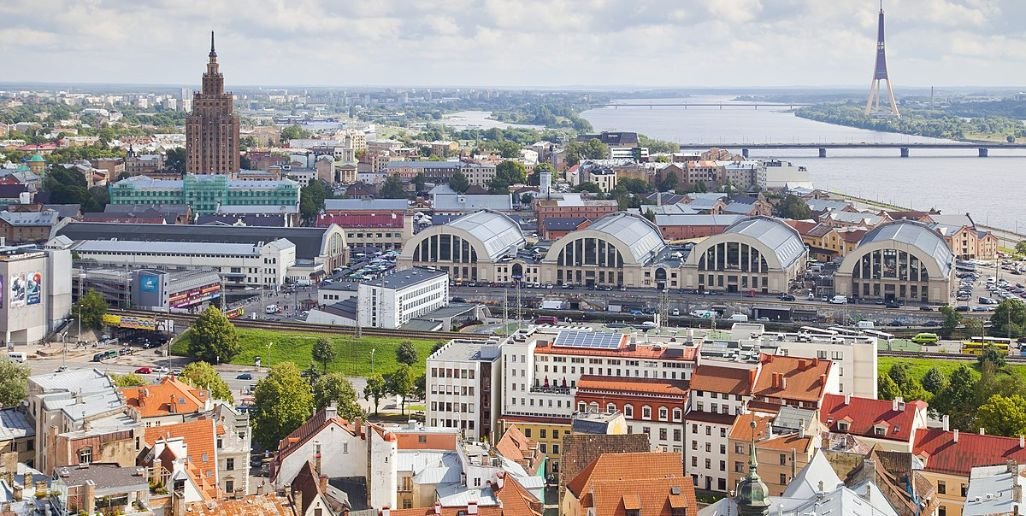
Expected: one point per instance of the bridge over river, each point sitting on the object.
(982, 148)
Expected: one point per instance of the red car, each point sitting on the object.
(144, 370)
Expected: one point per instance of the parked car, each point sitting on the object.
(786, 297)
(244, 376)
(144, 370)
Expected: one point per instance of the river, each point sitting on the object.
(991, 189)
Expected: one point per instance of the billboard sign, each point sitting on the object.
(130, 322)
(26, 288)
(149, 282)
(195, 296)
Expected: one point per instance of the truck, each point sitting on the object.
(839, 300)
(738, 318)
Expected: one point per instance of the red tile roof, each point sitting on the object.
(633, 385)
(357, 221)
(170, 396)
(515, 446)
(863, 414)
(944, 455)
(653, 352)
(199, 437)
(515, 500)
(730, 380)
(792, 378)
(314, 426)
(652, 482)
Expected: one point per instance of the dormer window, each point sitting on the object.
(842, 426)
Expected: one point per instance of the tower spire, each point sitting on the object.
(752, 496)
(213, 54)
(880, 74)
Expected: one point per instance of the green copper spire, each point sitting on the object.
(752, 494)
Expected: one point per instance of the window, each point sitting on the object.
(610, 408)
(783, 479)
(85, 455)
(646, 412)
(662, 434)
(555, 449)
(964, 488)
(229, 464)
(229, 486)
(739, 467)
(942, 511)
(542, 433)
(527, 431)
(942, 487)
(678, 414)
(663, 414)
(694, 461)
(628, 411)
(842, 426)
(783, 459)
(541, 447)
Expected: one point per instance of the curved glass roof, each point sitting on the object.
(636, 232)
(915, 234)
(496, 231)
(782, 239)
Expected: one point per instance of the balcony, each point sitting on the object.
(551, 389)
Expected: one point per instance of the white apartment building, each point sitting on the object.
(542, 370)
(398, 297)
(718, 395)
(239, 264)
(463, 388)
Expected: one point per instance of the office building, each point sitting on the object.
(35, 282)
(208, 194)
(463, 388)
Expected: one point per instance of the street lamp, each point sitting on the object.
(372, 358)
(269, 344)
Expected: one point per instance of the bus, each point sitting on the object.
(105, 355)
(235, 313)
(976, 345)
(925, 338)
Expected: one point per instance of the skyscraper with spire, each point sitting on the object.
(212, 130)
(879, 75)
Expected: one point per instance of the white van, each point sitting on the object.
(271, 309)
(839, 300)
(739, 318)
(865, 325)
(17, 356)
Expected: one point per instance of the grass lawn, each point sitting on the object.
(898, 345)
(920, 366)
(352, 358)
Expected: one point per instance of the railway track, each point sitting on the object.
(311, 327)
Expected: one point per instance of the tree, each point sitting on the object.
(909, 386)
(406, 353)
(992, 355)
(1009, 319)
(650, 215)
(1003, 415)
(90, 309)
(283, 402)
(128, 380)
(376, 389)
(458, 182)
(214, 339)
(402, 383)
(591, 149)
(311, 199)
(202, 375)
(420, 386)
(973, 327)
(535, 178)
(438, 345)
(957, 399)
(793, 207)
(392, 188)
(587, 187)
(420, 182)
(293, 132)
(336, 388)
(174, 160)
(507, 173)
(669, 182)
(323, 352)
(13, 382)
(886, 388)
(934, 381)
(1020, 248)
(951, 321)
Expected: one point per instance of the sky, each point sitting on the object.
(514, 43)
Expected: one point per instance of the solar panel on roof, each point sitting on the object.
(588, 340)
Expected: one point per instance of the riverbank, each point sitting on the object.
(919, 122)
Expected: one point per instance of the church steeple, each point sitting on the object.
(752, 494)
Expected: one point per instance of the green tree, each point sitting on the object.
(202, 375)
(1003, 415)
(1020, 248)
(376, 389)
(214, 339)
(13, 382)
(587, 187)
(311, 199)
(420, 386)
(336, 388)
(973, 327)
(458, 182)
(793, 207)
(392, 188)
(535, 178)
(402, 383)
(283, 402)
(951, 321)
(420, 182)
(323, 352)
(886, 388)
(934, 381)
(668, 183)
(650, 215)
(128, 380)
(438, 345)
(90, 309)
(507, 173)
(293, 132)
(957, 398)
(907, 383)
(992, 355)
(406, 353)
(174, 160)
(1009, 319)
(580, 151)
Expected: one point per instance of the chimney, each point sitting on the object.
(801, 364)
(847, 398)
(954, 435)
(783, 382)
(385, 511)
(1022, 442)
(983, 431)
(330, 411)
(894, 404)
(297, 500)
(472, 507)
(438, 508)
(946, 423)
(822, 379)
(323, 483)
(500, 479)
(89, 503)
(317, 457)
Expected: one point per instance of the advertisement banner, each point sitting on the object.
(35, 288)
(112, 320)
(149, 282)
(130, 321)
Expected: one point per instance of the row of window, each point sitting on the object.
(628, 411)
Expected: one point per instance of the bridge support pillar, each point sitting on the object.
(984, 152)
(822, 152)
(744, 152)
(904, 152)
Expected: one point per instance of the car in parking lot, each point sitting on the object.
(244, 376)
